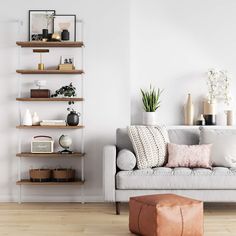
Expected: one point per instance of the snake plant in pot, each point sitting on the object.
(151, 102)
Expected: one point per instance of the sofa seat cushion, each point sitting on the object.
(177, 178)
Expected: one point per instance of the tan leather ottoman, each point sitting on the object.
(165, 215)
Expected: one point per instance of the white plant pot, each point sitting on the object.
(27, 119)
(149, 118)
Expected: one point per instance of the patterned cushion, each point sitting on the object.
(150, 145)
(189, 155)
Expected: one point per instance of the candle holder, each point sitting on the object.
(41, 51)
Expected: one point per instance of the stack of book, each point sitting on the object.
(66, 67)
(53, 122)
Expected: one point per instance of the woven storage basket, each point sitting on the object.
(63, 175)
(40, 175)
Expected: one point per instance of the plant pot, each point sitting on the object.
(72, 119)
(149, 118)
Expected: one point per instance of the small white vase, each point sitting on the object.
(27, 119)
(35, 119)
(149, 118)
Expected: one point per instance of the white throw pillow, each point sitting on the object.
(126, 160)
(150, 145)
(224, 145)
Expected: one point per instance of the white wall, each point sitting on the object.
(173, 44)
(168, 43)
(106, 92)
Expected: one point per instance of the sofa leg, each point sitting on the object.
(118, 208)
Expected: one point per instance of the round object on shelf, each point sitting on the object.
(73, 118)
(65, 142)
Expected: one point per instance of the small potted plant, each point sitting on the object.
(151, 102)
(69, 91)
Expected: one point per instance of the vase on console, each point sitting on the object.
(209, 111)
(189, 111)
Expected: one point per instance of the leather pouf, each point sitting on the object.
(165, 215)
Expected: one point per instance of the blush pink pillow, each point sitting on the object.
(189, 155)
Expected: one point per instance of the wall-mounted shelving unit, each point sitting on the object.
(79, 181)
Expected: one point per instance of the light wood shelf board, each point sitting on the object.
(50, 99)
(49, 127)
(28, 182)
(50, 155)
(50, 71)
(32, 44)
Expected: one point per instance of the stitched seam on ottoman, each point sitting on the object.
(139, 217)
(182, 218)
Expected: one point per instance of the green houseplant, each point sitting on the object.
(151, 102)
(70, 92)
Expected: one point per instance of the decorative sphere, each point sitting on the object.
(65, 141)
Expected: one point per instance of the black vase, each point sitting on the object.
(72, 119)
(210, 119)
(65, 35)
(45, 33)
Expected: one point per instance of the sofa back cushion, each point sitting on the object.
(224, 145)
(184, 136)
(177, 136)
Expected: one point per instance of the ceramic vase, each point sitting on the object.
(149, 118)
(27, 118)
(35, 119)
(72, 119)
(209, 109)
(188, 111)
(229, 115)
(200, 120)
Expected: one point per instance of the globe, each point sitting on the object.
(65, 142)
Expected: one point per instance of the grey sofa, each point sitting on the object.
(216, 185)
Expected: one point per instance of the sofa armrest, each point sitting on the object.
(109, 172)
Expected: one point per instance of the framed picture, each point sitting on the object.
(39, 20)
(65, 22)
(68, 60)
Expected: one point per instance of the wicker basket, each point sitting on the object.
(63, 175)
(40, 175)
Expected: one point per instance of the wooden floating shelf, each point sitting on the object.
(50, 155)
(27, 44)
(28, 182)
(49, 127)
(50, 99)
(50, 71)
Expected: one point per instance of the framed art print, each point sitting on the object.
(66, 23)
(39, 20)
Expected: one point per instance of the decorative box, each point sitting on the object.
(42, 144)
(40, 93)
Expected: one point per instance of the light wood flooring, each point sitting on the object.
(73, 219)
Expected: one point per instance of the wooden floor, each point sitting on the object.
(70, 219)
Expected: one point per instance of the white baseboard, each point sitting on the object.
(5, 199)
